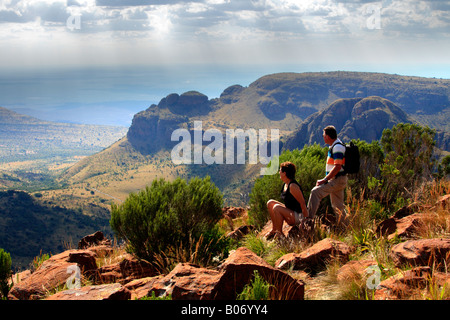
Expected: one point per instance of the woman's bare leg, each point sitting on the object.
(279, 213)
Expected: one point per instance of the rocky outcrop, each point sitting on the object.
(151, 130)
(54, 273)
(410, 283)
(113, 291)
(239, 268)
(130, 278)
(190, 282)
(354, 269)
(315, 257)
(95, 239)
(191, 103)
(423, 252)
(354, 118)
(126, 270)
(231, 94)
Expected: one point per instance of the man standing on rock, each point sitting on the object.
(335, 181)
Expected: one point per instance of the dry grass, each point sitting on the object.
(360, 234)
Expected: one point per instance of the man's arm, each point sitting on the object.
(331, 175)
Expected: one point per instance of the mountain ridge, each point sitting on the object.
(354, 118)
(284, 101)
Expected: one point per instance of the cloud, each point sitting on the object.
(127, 3)
(175, 29)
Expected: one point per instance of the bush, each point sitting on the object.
(5, 273)
(408, 149)
(310, 163)
(258, 289)
(371, 157)
(169, 215)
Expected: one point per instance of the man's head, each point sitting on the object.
(329, 134)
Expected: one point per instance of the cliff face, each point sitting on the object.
(151, 129)
(363, 118)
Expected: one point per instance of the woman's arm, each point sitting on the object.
(298, 195)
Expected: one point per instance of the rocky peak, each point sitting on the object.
(363, 118)
(190, 103)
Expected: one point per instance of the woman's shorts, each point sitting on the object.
(297, 218)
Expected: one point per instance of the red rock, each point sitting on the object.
(140, 288)
(407, 226)
(102, 250)
(233, 212)
(50, 275)
(354, 268)
(18, 277)
(238, 270)
(287, 230)
(95, 239)
(403, 284)
(404, 227)
(240, 232)
(190, 282)
(406, 211)
(187, 282)
(423, 252)
(53, 273)
(85, 259)
(316, 256)
(128, 269)
(113, 291)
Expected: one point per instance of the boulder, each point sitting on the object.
(191, 282)
(406, 227)
(240, 232)
(140, 288)
(233, 212)
(423, 252)
(403, 284)
(239, 268)
(315, 257)
(403, 223)
(114, 291)
(85, 259)
(52, 274)
(354, 269)
(95, 239)
(128, 269)
(19, 277)
(288, 231)
(187, 282)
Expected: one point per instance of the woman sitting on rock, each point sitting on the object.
(294, 208)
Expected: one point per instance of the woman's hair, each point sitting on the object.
(288, 168)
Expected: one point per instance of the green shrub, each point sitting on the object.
(408, 159)
(39, 260)
(310, 163)
(169, 215)
(443, 169)
(257, 289)
(5, 273)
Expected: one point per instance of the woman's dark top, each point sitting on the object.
(289, 200)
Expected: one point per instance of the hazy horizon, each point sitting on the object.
(96, 61)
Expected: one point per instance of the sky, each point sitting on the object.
(124, 55)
